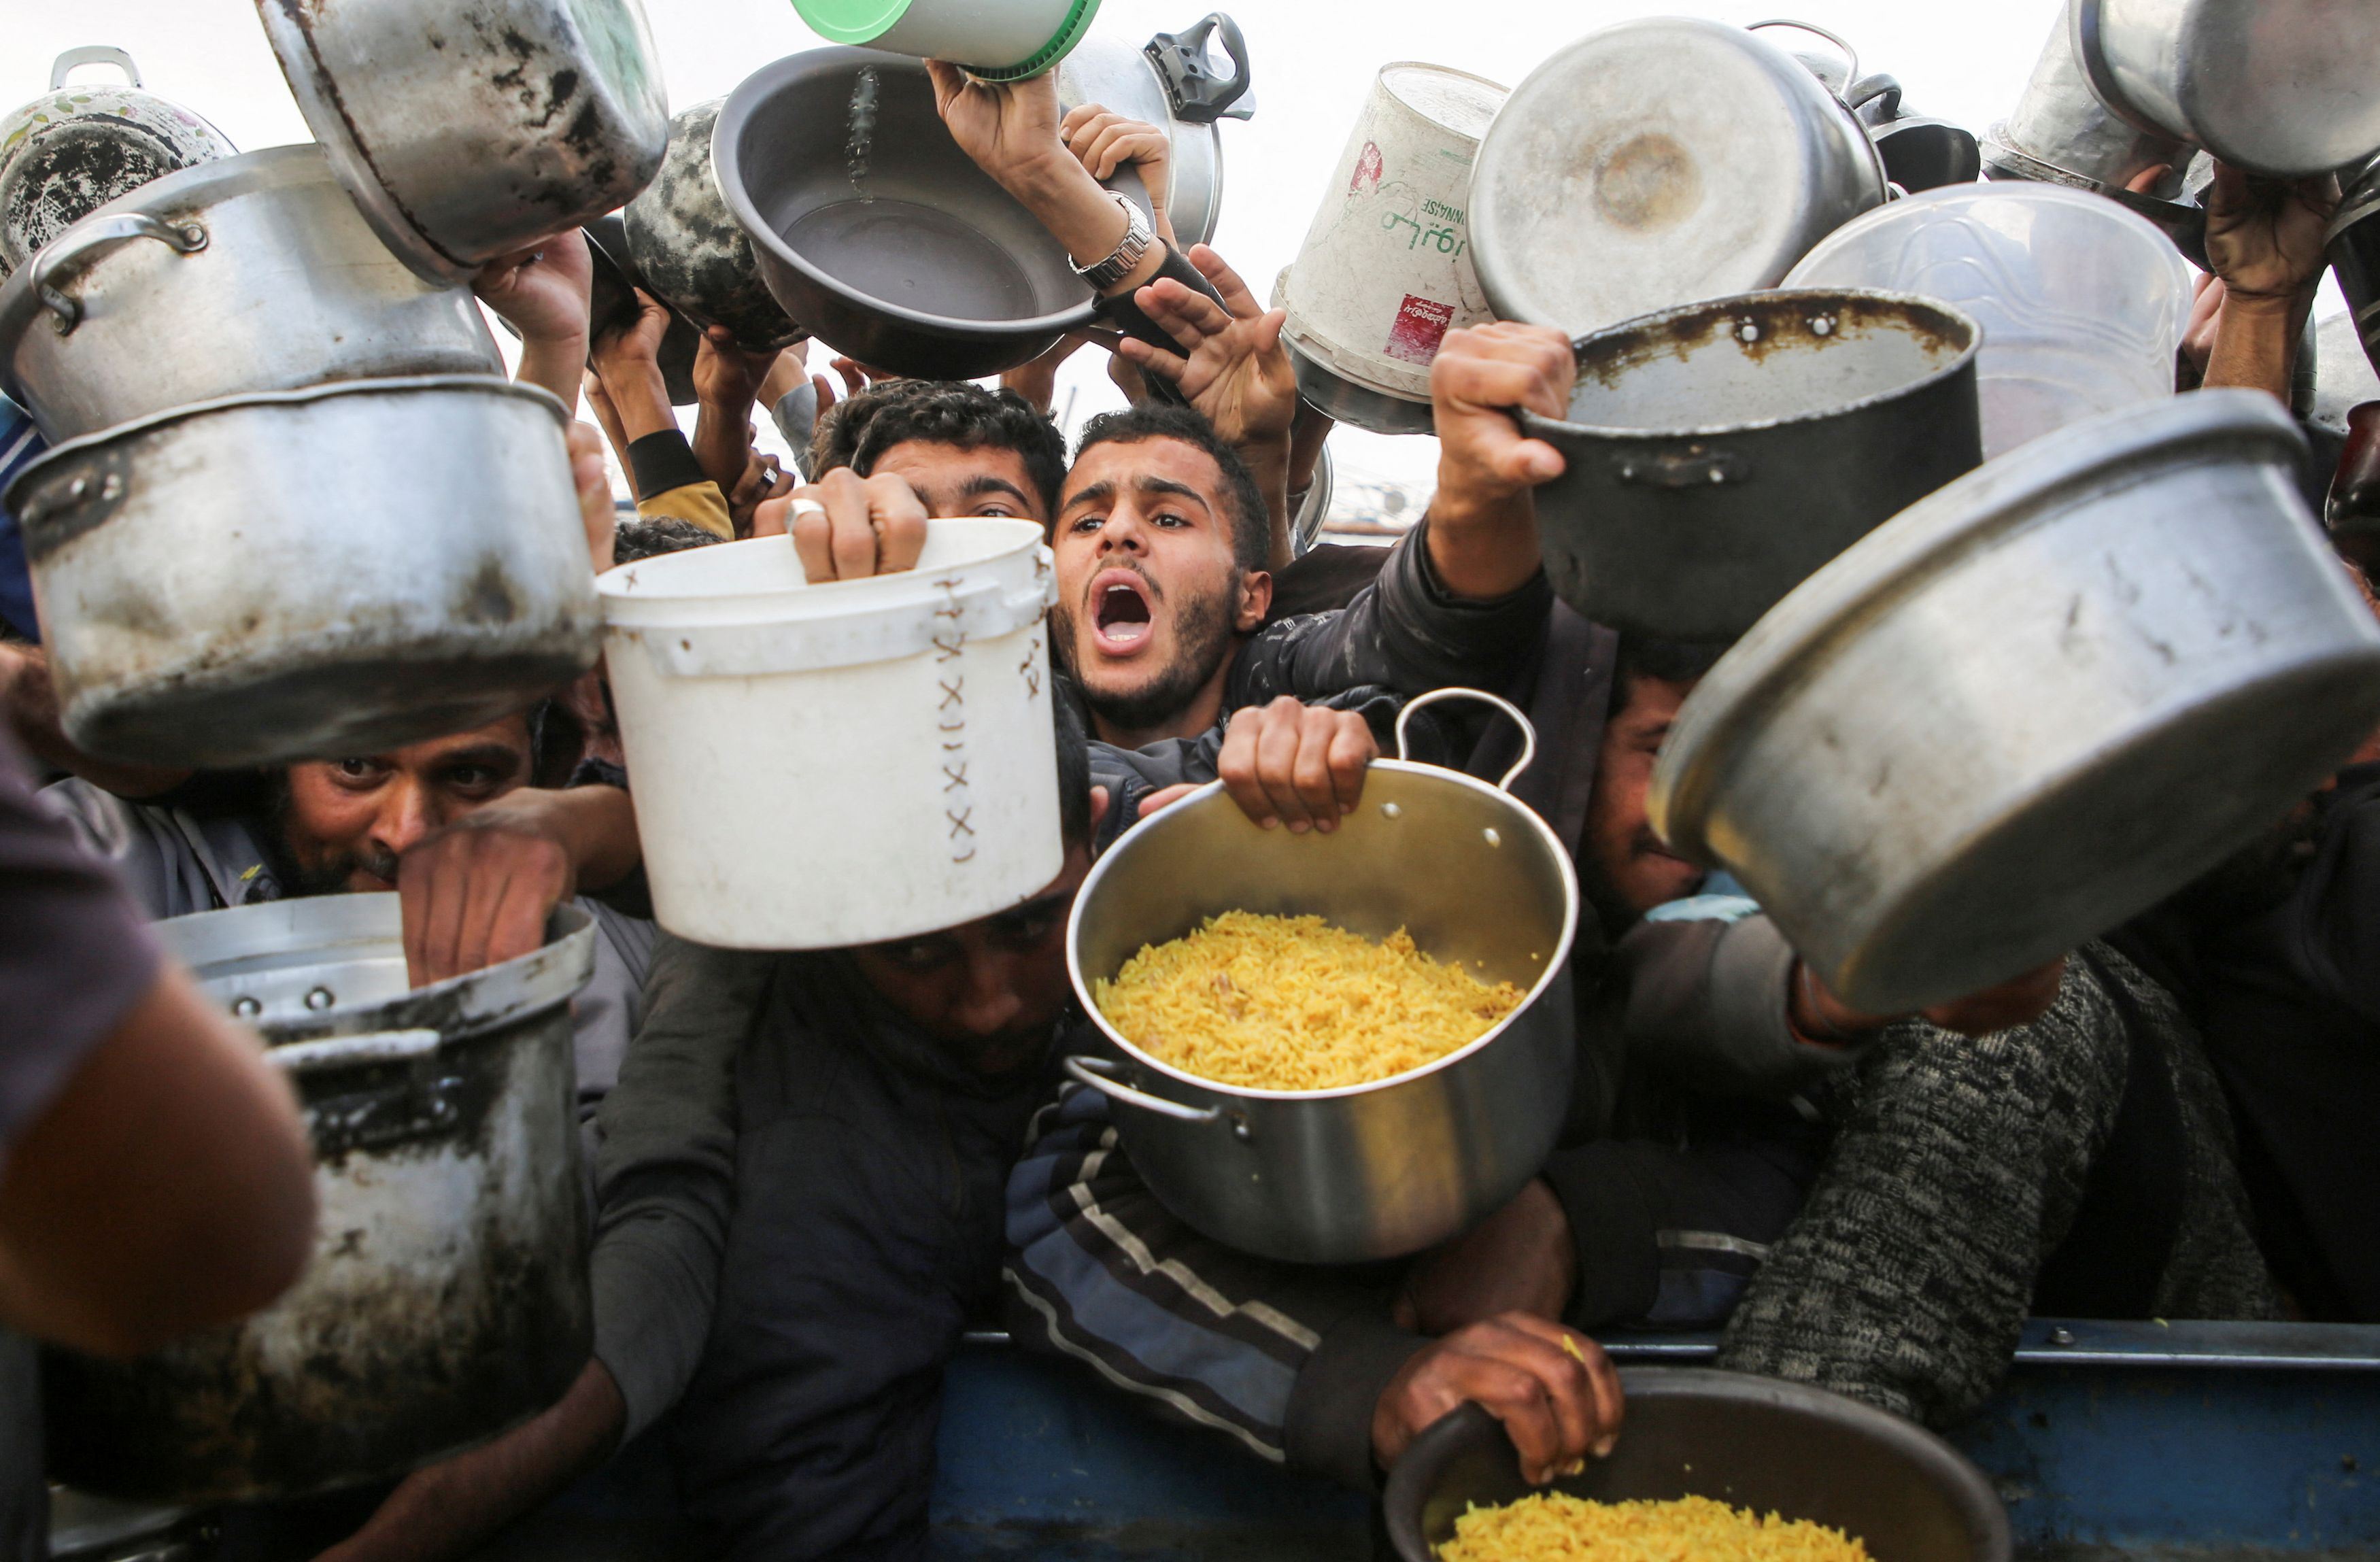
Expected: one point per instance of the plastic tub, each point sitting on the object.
(820, 766)
(997, 40)
(2083, 303)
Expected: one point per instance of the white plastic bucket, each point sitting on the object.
(997, 39)
(1386, 272)
(819, 766)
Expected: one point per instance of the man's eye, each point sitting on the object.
(921, 956)
(358, 769)
(1086, 524)
(1170, 521)
(995, 510)
(470, 778)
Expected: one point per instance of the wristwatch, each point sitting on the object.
(1138, 237)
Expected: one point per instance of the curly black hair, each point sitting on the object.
(857, 432)
(1251, 520)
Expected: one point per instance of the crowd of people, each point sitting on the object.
(813, 1171)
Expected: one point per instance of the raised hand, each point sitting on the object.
(1232, 366)
(1105, 141)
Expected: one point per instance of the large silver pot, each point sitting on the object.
(1364, 1171)
(2278, 87)
(689, 251)
(309, 574)
(447, 1298)
(1168, 83)
(2030, 705)
(69, 152)
(466, 129)
(1657, 162)
(253, 274)
(1719, 453)
(890, 244)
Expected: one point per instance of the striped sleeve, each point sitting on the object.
(1286, 1361)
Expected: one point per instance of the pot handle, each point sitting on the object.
(86, 242)
(93, 53)
(1528, 732)
(1086, 1071)
(1195, 97)
(352, 1051)
(1850, 54)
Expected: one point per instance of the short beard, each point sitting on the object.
(332, 876)
(1203, 632)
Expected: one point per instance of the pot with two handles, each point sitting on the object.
(447, 1297)
(1367, 1172)
(249, 274)
(66, 154)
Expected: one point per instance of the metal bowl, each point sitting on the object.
(687, 248)
(1656, 163)
(1364, 1171)
(1719, 453)
(2030, 705)
(1751, 1442)
(888, 240)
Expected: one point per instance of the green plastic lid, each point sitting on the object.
(1070, 32)
(850, 22)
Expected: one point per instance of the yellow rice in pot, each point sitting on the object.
(1556, 1527)
(1294, 1003)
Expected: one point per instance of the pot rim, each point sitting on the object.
(83, 444)
(1751, 683)
(1212, 794)
(726, 171)
(1540, 426)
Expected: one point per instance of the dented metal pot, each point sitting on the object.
(688, 248)
(69, 152)
(252, 274)
(468, 129)
(447, 1298)
(309, 574)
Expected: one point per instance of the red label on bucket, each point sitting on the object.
(1420, 326)
(1368, 170)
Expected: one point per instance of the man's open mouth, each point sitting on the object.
(1121, 621)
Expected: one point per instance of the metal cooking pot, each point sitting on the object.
(895, 248)
(448, 1299)
(1168, 83)
(65, 155)
(1751, 1442)
(309, 574)
(466, 129)
(1919, 153)
(1719, 453)
(689, 250)
(611, 306)
(2030, 705)
(2277, 87)
(1364, 1171)
(2060, 133)
(1656, 163)
(2352, 245)
(84, 1528)
(253, 274)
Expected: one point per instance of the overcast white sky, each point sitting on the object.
(1314, 62)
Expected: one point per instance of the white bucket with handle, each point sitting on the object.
(820, 766)
(1386, 272)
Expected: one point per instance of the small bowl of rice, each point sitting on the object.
(1710, 1467)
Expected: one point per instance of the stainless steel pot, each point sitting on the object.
(1719, 453)
(1168, 83)
(2352, 245)
(64, 155)
(1919, 153)
(1364, 1171)
(689, 250)
(1750, 1442)
(891, 244)
(1657, 162)
(309, 574)
(466, 129)
(2060, 133)
(2278, 87)
(448, 1299)
(2030, 705)
(252, 274)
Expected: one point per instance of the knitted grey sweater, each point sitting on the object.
(1958, 1168)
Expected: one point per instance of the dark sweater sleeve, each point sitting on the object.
(1707, 1004)
(1284, 1361)
(1406, 633)
(664, 460)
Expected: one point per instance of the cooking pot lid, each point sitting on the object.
(1652, 163)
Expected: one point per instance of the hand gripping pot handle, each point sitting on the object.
(86, 242)
(93, 53)
(1090, 1071)
(1528, 732)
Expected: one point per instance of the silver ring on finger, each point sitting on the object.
(805, 507)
